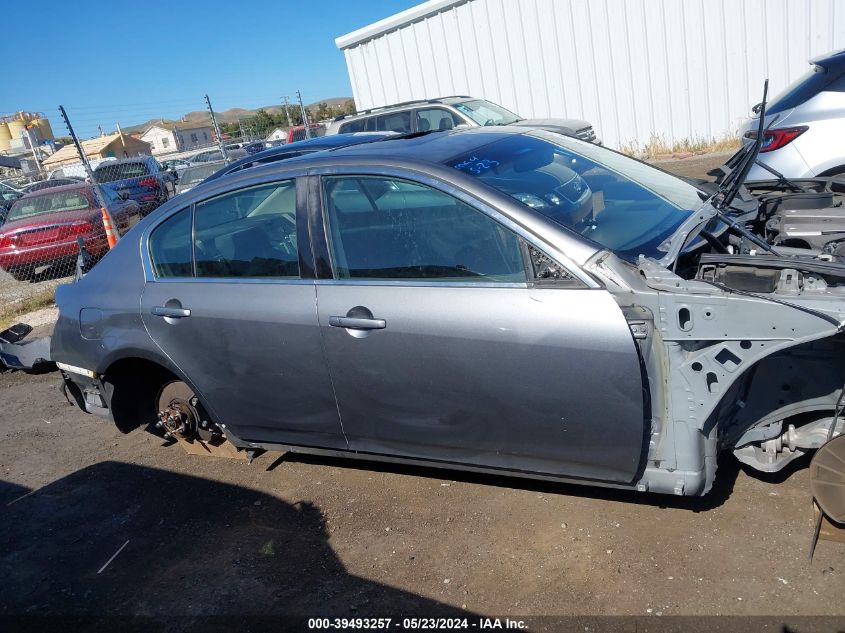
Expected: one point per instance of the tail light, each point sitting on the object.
(148, 182)
(777, 138)
(6, 241)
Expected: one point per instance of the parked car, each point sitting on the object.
(8, 194)
(77, 170)
(501, 300)
(446, 113)
(297, 133)
(52, 182)
(299, 148)
(802, 122)
(177, 165)
(42, 227)
(255, 147)
(214, 156)
(140, 179)
(195, 174)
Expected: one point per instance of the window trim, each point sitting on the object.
(317, 212)
(303, 240)
(473, 203)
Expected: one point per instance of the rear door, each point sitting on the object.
(234, 308)
(441, 345)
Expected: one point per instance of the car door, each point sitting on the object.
(443, 346)
(234, 309)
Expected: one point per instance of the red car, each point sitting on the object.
(41, 227)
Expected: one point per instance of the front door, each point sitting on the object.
(442, 347)
(239, 320)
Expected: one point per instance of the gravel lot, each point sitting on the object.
(328, 537)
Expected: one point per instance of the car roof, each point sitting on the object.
(315, 144)
(430, 147)
(831, 62)
(425, 148)
(123, 161)
(52, 190)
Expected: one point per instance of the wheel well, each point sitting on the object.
(131, 386)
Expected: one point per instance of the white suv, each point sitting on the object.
(447, 113)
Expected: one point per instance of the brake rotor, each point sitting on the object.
(827, 479)
(177, 410)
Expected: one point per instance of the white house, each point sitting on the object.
(279, 134)
(679, 69)
(165, 137)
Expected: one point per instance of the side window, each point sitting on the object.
(353, 126)
(170, 246)
(248, 233)
(394, 122)
(435, 119)
(393, 229)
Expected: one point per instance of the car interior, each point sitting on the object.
(394, 229)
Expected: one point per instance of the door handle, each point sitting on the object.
(357, 323)
(173, 313)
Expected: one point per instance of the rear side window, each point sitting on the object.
(122, 171)
(248, 233)
(805, 88)
(170, 246)
(353, 126)
(394, 122)
(393, 229)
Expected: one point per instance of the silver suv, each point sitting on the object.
(446, 113)
(806, 123)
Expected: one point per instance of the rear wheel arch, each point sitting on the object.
(131, 386)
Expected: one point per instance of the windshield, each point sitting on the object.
(620, 203)
(486, 113)
(73, 200)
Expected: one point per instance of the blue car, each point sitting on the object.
(299, 148)
(141, 179)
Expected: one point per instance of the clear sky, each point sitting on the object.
(126, 62)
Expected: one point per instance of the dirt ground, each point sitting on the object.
(328, 537)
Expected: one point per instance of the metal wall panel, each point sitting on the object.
(680, 69)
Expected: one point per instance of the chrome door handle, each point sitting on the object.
(173, 313)
(354, 323)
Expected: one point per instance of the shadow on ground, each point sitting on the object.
(196, 548)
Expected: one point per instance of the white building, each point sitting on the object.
(165, 138)
(279, 134)
(680, 69)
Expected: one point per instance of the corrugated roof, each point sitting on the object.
(395, 21)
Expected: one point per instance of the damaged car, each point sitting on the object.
(501, 300)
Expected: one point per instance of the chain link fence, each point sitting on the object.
(106, 184)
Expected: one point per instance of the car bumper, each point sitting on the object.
(47, 254)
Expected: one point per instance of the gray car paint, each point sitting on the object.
(610, 427)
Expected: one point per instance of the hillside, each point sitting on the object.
(200, 117)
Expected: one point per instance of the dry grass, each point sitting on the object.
(658, 147)
(42, 298)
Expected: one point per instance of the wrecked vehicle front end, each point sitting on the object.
(729, 369)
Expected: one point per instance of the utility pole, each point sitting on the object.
(220, 142)
(98, 192)
(287, 114)
(241, 128)
(304, 116)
